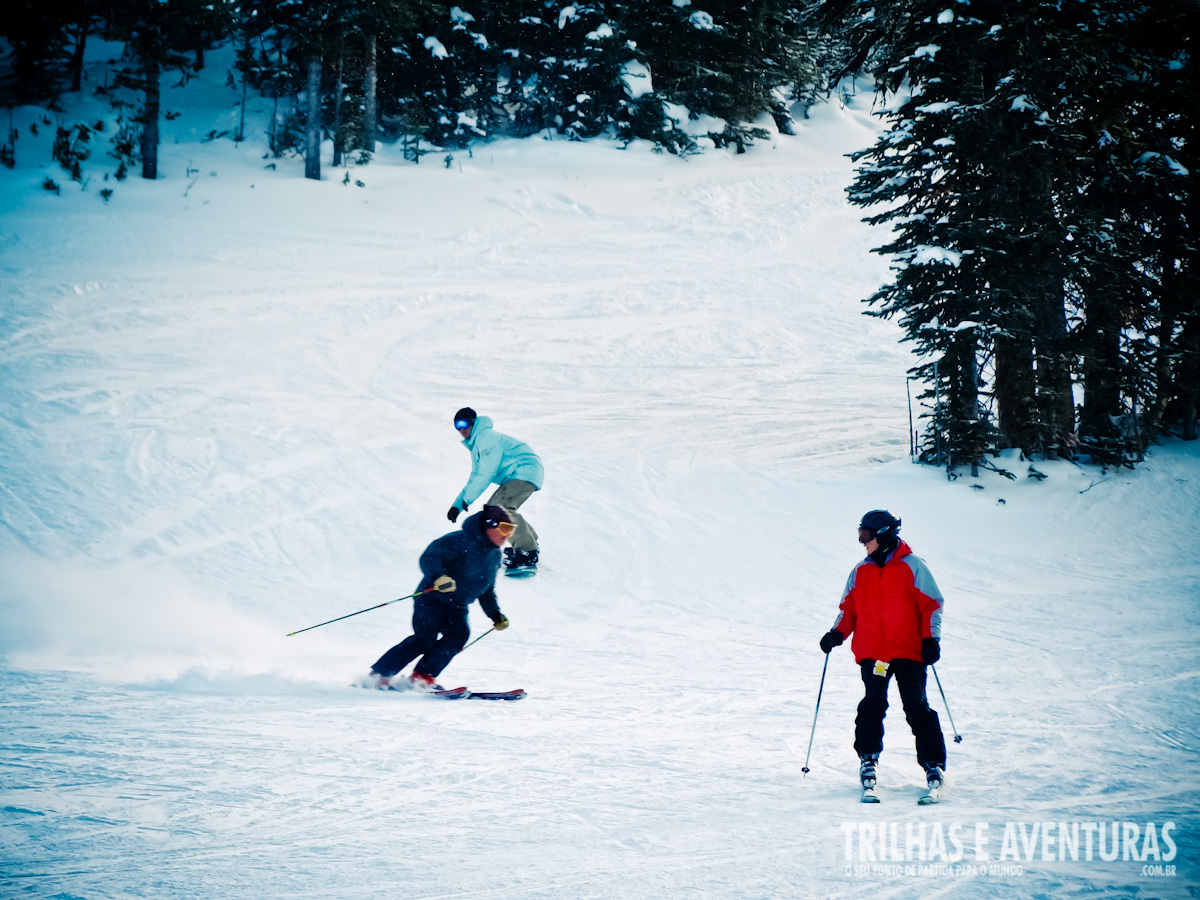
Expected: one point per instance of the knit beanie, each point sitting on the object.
(494, 515)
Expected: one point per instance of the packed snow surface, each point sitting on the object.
(225, 414)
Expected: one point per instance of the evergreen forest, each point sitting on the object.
(1032, 179)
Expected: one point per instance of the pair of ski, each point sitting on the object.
(933, 795)
(462, 693)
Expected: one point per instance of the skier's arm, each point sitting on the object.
(491, 608)
(482, 473)
(843, 625)
(928, 598)
(436, 561)
(847, 617)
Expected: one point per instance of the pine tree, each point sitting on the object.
(306, 32)
(1165, 111)
(727, 59)
(154, 35)
(1009, 173)
(947, 214)
(1132, 260)
(37, 36)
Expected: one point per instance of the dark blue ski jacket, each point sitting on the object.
(471, 559)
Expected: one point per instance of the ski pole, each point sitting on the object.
(957, 736)
(820, 690)
(480, 638)
(361, 611)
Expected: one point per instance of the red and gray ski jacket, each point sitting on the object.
(890, 608)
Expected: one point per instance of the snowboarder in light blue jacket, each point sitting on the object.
(504, 461)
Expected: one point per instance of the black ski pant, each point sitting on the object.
(924, 722)
(440, 631)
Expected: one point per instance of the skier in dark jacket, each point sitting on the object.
(893, 608)
(457, 568)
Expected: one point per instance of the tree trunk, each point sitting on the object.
(1056, 405)
(1015, 390)
(1187, 375)
(77, 57)
(370, 107)
(338, 139)
(964, 428)
(967, 376)
(149, 140)
(312, 125)
(1189, 383)
(273, 135)
(240, 135)
(1101, 373)
(1178, 361)
(1163, 381)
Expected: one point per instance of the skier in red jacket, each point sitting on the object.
(893, 608)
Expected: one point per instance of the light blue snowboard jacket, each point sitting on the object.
(495, 459)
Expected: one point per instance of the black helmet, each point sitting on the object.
(884, 527)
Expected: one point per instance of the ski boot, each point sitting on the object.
(935, 778)
(419, 681)
(374, 681)
(868, 764)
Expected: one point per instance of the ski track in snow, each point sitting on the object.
(224, 416)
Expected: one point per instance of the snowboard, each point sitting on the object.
(521, 572)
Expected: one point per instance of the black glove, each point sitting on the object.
(452, 515)
(931, 651)
(833, 639)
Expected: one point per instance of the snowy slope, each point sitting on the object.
(225, 405)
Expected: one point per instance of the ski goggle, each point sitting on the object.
(460, 424)
(505, 528)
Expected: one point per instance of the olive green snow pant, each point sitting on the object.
(510, 495)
